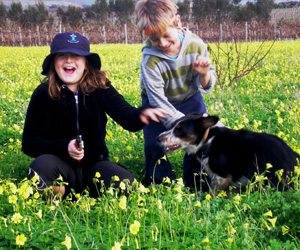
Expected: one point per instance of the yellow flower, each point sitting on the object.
(208, 197)
(36, 195)
(260, 178)
(12, 187)
(115, 178)
(129, 148)
(20, 240)
(56, 202)
(198, 204)
(97, 175)
(25, 190)
(117, 246)
(135, 227)
(110, 190)
(178, 197)
(16, 218)
(230, 240)
(12, 199)
(177, 189)
(231, 229)
(222, 193)
(268, 214)
(180, 182)
(205, 240)
(297, 171)
(35, 178)
(122, 185)
(67, 243)
(273, 221)
(166, 180)
(269, 165)
(140, 201)
(267, 226)
(60, 178)
(159, 204)
(123, 202)
(231, 216)
(285, 229)
(39, 214)
(142, 189)
(279, 173)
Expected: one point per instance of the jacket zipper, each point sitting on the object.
(77, 111)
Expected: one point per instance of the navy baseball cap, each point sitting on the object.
(73, 43)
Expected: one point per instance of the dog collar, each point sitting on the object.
(205, 136)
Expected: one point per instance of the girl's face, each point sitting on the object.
(70, 68)
(168, 42)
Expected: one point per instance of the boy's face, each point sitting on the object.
(69, 67)
(168, 42)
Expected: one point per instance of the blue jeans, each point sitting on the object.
(153, 151)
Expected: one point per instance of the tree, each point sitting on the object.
(211, 9)
(184, 10)
(124, 9)
(263, 9)
(73, 15)
(15, 13)
(3, 14)
(100, 10)
(36, 15)
(89, 13)
(61, 13)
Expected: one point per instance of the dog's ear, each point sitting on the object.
(207, 122)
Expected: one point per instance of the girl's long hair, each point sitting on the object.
(91, 80)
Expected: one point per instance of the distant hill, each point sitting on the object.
(78, 3)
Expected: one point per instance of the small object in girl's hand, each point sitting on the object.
(79, 142)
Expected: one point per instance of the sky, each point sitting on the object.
(276, 1)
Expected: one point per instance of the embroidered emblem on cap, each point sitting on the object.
(73, 39)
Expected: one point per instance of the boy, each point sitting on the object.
(175, 70)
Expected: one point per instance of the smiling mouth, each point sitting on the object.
(69, 70)
(172, 148)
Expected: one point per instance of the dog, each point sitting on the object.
(230, 157)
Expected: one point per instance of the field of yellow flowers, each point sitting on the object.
(166, 216)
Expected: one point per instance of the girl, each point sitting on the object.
(73, 100)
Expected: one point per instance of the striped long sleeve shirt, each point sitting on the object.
(167, 81)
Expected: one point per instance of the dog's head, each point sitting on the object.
(188, 133)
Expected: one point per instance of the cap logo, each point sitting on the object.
(73, 39)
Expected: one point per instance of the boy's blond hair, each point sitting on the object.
(154, 16)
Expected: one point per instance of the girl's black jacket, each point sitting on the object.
(51, 124)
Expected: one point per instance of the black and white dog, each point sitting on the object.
(229, 157)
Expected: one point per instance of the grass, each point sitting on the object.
(167, 216)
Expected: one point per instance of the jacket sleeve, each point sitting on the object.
(36, 139)
(120, 110)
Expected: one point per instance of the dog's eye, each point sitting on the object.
(177, 131)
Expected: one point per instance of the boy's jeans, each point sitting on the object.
(153, 152)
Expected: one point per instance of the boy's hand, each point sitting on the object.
(74, 152)
(201, 65)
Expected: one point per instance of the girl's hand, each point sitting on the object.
(153, 114)
(74, 152)
(201, 65)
